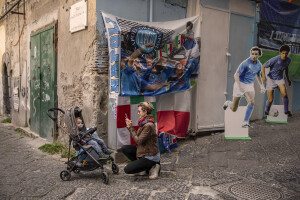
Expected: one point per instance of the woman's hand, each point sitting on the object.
(128, 122)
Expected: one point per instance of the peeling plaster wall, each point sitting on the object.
(2, 50)
(16, 54)
(38, 14)
(80, 81)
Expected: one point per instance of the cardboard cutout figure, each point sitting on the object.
(272, 73)
(244, 78)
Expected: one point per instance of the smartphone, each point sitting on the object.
(172, 79)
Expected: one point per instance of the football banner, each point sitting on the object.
(151, 55)
(113, 35)
(156, 65)
(280, 25)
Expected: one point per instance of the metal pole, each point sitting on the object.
(151, 11)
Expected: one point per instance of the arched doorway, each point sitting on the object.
(6, 96)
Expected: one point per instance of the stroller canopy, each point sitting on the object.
(70, 120)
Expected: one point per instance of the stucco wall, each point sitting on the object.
(16, 55)
(80, 82)
(2, 50)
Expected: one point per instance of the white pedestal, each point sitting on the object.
(281, 118)
(233, 124)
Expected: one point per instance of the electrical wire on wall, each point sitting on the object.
(20, 33)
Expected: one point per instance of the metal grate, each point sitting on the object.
(254, 192)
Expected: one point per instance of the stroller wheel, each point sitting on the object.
(114, 168)
(105, 177)
(76, 171)
(65, 175)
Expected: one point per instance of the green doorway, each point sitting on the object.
(42, 81)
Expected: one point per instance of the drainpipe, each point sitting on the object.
(151, 11)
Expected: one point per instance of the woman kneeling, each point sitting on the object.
(145, 156)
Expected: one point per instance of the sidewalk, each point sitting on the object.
(204, 167)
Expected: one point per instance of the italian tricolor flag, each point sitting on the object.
(171, 115)
(168, 48)
(179, 41)
(158, 53)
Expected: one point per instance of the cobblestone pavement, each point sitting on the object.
(204, 167)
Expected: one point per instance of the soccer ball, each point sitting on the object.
(274, 113)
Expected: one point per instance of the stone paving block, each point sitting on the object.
(169, 157)
(59, 192)
(200, 196)
(232, 145)
(234, 155)
(167, 174)
(185, 162)
(213, 177)
(186, 150)
(168, 196)
(168, 166)
(179, 186)
(88, 193)
(217, 159)
(217, 147)
(146, 183)
(241, 164)
(184, 173)
(289, 178)
(201, 164)
(137, 194)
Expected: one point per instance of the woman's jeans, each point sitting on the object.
(137, 165)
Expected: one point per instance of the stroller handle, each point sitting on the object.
(52, 110)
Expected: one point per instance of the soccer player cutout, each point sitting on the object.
(244, 78)
(274, 79)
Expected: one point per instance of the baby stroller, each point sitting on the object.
(86, 154)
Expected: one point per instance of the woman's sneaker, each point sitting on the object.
(154, 171)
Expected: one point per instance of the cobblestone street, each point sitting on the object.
(204, 167)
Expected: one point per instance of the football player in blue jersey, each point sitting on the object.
(244, 78)
(274, 79)
(131, 81)
(158, 73)
(183, 73)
